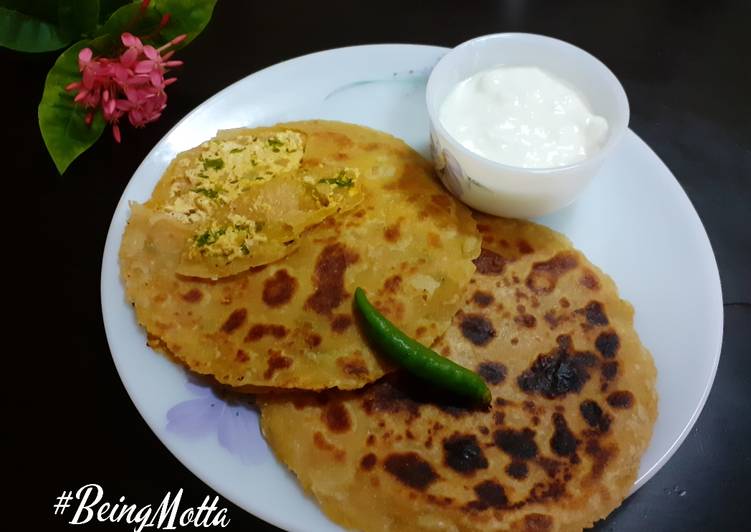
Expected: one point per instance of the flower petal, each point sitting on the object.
(157, 79)
(151, 53)
(143, 67)
(129, 58)
(81, 95)
(84, 56)
(177, 40)
(131, 40)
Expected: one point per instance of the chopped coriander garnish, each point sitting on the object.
(208, 192)
(244, 249)
(275, 144)
(341, 180)
(202, 175)
(216, 164)
(237, 150)
(209, 237)
(254, 162)
(204, 239)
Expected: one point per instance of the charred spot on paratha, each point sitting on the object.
(276, 362)
(463, 454)
(609, 371)
(320, 441)
(354, 365)
(337, 418)
(558, 372)
(259, 330)
(554, 320)
(279, 289)
(482, 299)
(594, 313)
(235, 320)
(194, 295)
(594, 415)
(489, 262)
(389, 396)
(524, 247)
(563, 442)
(368, 462)
(329, 278)
(313, 340)
(490, 494)
(589, 280)
(544, 275)
(392, 233)
(392, 284)
(493, 372)
(410, 469)
(621, 399)
(526, 320)
(517, 469)
(340, 322)
(607, 343)
(519, 444)
(477, 329)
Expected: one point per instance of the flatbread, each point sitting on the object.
(573, 408)
(247, 195)
(289, 324)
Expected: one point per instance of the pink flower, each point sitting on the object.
(132, 83)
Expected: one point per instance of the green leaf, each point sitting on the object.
(77, 18)
(130, 18)
(26, 33)
(65, 133)
(187, 16)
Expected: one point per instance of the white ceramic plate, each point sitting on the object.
(634, 221)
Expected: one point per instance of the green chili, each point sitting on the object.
(416, 358)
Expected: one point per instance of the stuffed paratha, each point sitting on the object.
(573, 407)
(290, 324)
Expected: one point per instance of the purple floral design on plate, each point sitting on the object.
(215, 410)
(448, 168)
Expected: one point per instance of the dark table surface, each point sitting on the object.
(687, 70)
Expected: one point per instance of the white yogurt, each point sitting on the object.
(522, 116)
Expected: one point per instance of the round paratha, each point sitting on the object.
(573, 408)
(289, 324)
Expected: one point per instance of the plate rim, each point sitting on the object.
(114, 238)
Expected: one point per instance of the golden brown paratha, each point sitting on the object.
(290, 324)
(573, 407)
